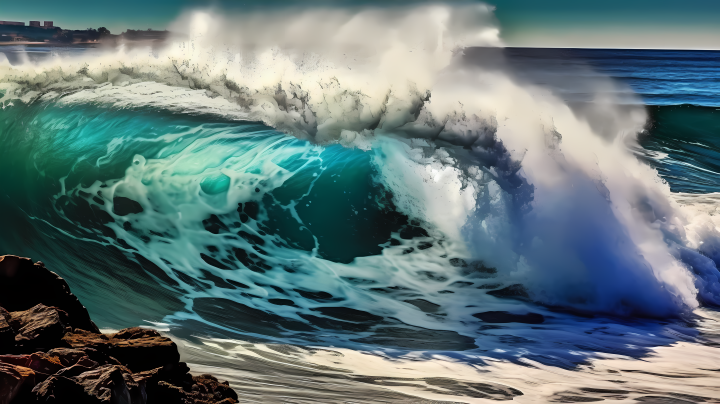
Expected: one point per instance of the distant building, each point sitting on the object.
(22, 24)
(48, 24)
(35, 24)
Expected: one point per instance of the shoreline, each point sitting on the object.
(681, 373)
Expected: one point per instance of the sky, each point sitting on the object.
(686, 24)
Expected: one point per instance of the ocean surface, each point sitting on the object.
(550, 238)
(679, 87)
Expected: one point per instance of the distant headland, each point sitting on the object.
(17, 32)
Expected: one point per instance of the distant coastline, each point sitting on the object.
(16, 43)
(17, 33)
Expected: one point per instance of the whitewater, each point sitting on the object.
(346, 197)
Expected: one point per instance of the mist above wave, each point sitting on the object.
(550, 197)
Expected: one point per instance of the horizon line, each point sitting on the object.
(602, 48)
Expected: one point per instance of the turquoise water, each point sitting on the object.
(61, 161)
(685, 136)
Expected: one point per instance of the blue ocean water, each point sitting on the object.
(681, 89)
(660, 77)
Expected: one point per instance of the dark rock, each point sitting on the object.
(106, 384)
(100, 357)
(135, 333)
(170, 394)
(505, 317)
(137, 348)
(176, 374)
(38, 327)
(67, 356)
(42, 364)
(82, 365)
(174, 385)
(142, 349)
(24, 285)
(7, 334)
(84, 339)
(113, 381)
(13, 380)
(59, 389)
(17, 360)
(211, 388)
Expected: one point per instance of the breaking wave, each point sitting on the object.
(341, 176)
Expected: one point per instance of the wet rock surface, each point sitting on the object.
(52, 352)
(24, 284)
(137, 348)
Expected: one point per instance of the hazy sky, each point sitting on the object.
(551, 23)
(611, 23)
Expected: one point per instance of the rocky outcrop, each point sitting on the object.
(51, 352)
(163, 385)
(38, 327)
(104, 384)
(7, 334)
(24, 285)
(137, 348)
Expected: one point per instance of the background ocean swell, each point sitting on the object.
(396, 212)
